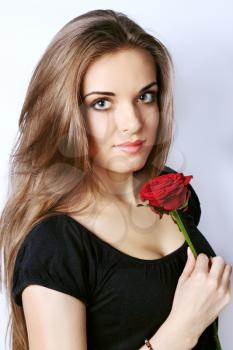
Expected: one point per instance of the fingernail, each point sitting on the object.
(189, 250)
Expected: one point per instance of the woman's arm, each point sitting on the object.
(54, 320)
(171, 336)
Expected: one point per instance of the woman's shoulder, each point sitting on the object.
(56, 229)
(51, 229)
(54, 255)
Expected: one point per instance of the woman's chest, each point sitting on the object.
(137, 232)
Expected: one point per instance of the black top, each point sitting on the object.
(127, 298)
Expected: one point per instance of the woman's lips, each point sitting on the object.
(131, 148)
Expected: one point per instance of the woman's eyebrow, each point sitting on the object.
(112, 93)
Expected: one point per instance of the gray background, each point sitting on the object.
(199, 37)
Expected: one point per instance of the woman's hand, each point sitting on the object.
(203, 290)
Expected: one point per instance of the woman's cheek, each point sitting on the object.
(151, 125)
(98, 131)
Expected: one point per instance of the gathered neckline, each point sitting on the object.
(164, 258)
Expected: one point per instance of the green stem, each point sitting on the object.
(180, 224)
(177, 219)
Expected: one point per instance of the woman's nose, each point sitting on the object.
(128, 119)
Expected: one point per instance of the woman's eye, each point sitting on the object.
(152, 95)
(99, 103)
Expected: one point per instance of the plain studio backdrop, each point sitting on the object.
(199, 36)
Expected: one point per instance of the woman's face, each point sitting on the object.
(122, 111)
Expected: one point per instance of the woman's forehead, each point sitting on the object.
(132, 68)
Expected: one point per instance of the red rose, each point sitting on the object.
(166, 192)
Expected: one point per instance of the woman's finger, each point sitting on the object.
(226, 276)
(217, 268)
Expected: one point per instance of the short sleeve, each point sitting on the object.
(52, 256)
(194, 208)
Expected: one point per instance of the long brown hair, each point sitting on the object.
(49, 162)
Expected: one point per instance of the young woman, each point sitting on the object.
(85, 268)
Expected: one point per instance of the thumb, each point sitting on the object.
(190, 264)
